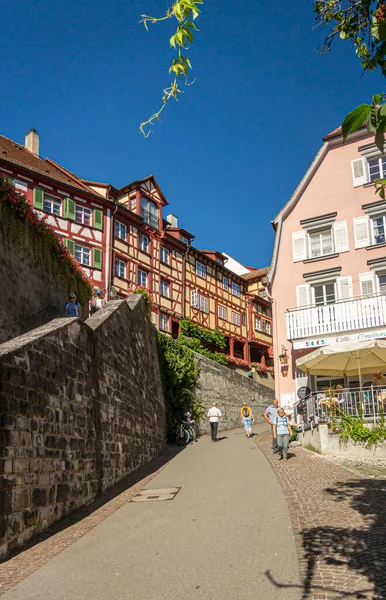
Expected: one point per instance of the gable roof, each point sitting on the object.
(16, 154)
(256, 274)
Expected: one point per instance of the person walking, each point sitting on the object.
(214, 415)
(72, 308)
(247, 418)
(270, 416)
(282, 431)
(98, 302)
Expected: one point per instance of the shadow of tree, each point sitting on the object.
(352, 552)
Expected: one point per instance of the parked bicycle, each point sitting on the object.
(185, 431)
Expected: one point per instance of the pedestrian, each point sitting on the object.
(247, 418)
(270, 416)
(282, 431)
(98, 302)
(72, 308)
(214, 415)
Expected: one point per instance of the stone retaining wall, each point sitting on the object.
(81, 406)
(229, 389)
(328, 444)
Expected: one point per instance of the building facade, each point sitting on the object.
(328, 275)
(123, 240)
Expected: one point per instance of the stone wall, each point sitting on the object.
(229, 389)
(35, 291)
(81, 406)
(328, 444)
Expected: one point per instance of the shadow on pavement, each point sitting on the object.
(168, 453)
(351, 553)
(224, 437)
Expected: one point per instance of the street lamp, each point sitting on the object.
(283, 357)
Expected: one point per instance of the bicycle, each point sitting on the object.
(185, 433)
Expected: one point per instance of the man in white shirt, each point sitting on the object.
(214, 414)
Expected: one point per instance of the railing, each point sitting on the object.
(347, 315)
(149, 218)
(318, 407)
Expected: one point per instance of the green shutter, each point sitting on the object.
(38, 198)
(98, 219)
(69, 209)
(70, 245)
(97, 262)
(11, 181)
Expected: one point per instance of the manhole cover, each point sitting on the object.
(156, 495)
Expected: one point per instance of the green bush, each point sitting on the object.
(354, 429)
(213, 338)
(195, 345)
(179, 374)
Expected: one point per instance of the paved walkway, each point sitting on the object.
(227, 534)
(339, 521)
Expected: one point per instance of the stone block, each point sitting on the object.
(30, 518)
(6, 502)
(62, 493)
(39, 496)
(21, 498)
(20, 465)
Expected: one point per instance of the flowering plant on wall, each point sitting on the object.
(21, 212)
(145, 292)
(239, 362)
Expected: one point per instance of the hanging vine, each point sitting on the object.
(185, 12)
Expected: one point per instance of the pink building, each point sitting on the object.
(328, 275)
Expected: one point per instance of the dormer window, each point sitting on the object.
(149, 212)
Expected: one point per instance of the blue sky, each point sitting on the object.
(230, 153)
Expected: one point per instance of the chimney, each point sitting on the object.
(32, 141)
(172, 220)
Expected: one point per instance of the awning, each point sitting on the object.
(346, 358)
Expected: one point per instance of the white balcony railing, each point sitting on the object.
(347, 315)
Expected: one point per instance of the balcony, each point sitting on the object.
(149, 218)
(343, 316)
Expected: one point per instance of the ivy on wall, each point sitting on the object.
(215, 338)
(179, 374)
(22, 226)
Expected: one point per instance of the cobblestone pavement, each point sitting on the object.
(339, 521)
(61, 535)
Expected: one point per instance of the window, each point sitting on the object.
(257, 323)
(133, 203)
(324, 293)
(21, 186)
(52, 205)
(184, 239)
(382, 282)
(164, 255)
(163, 322)
(165, 289)
(219, 261)
(236, 289)
(262, 293)
(222, 313)
(142, 278)
(120, 230)
(266, 326)
(377, 168)
(143, 242)
(149, 212)
(320, 243)
(83, 215)
(235, 318)
(225, 283)
(378, 229)
(199, 302)
(120, 268)
(200, 270)
(83, 255)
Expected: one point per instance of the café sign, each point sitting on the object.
(362, 336)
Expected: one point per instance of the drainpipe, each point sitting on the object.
(111, 278)
(246, 328)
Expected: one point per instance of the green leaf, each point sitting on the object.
(372, 121)
(173, 41)
(377, 98)
(382, 111)
(191, 25)
(355, 119)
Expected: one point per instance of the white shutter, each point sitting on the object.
(341, 236)
(367, 283)
(299, 247)
(303, 295)
(361, 232)
(344, 287)
(194, 300)
(359, 171)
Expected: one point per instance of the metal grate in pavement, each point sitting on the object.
(156, 495)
